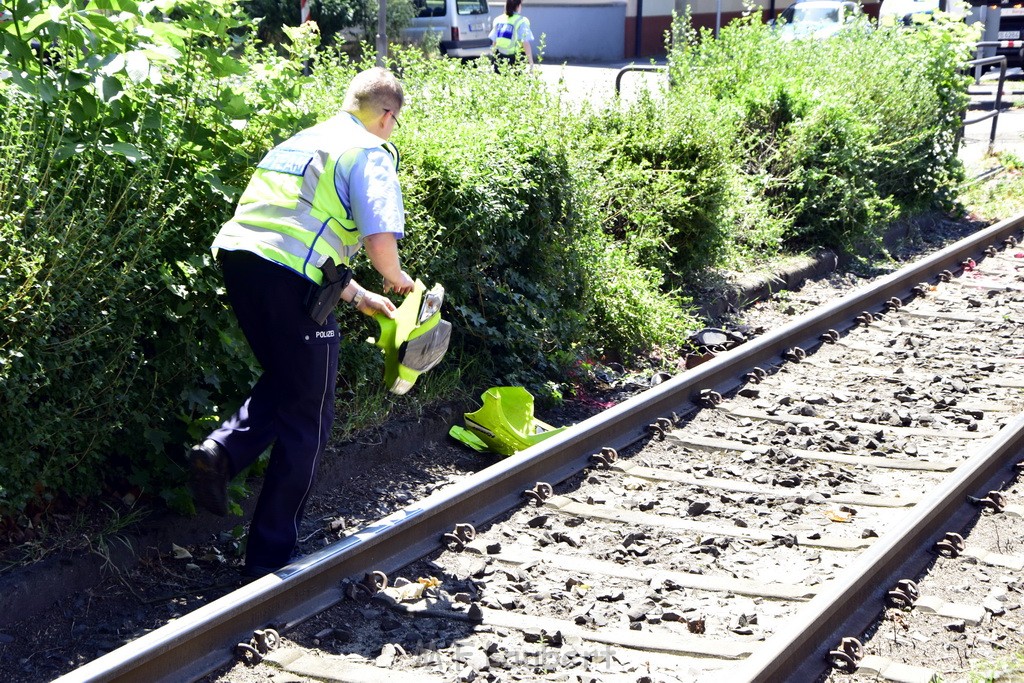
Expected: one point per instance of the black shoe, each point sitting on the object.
(208, 464)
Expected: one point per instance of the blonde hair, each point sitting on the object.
(372, 91)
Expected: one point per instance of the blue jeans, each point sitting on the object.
(291, 405)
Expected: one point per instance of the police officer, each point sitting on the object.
(511, 36)
(312, 202)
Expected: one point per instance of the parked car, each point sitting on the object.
(817, 19)
(906, 12)
(462, 26)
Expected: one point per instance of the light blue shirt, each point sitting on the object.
(372, 194)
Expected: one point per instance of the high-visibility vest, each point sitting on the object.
(290, 212)
(507, 41)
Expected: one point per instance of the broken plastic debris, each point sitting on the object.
(179, 553)
(843, 514)
(407, 592)
(504, 424)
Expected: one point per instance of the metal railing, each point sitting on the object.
(631, 67)
(997, 103)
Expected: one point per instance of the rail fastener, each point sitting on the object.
(921, 289)
(951, 545)
(709, 398)
(660, 427)
(540, 492)
(904, 595)
(994, 500)
(371, 584)
(756, 375)
(865, 318)
(606, 458)
(794, 354)
(829, 336)
(461, 535)
(259, 646)
(847, 655)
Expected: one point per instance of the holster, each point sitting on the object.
(324, 298)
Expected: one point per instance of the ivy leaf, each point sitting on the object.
(84, 108)
(115, 64)
(68, 150)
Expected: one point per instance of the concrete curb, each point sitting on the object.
(748, 290)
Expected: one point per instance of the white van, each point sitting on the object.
(462, 26)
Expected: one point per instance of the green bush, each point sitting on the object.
(114, 337)
(498, 221)
(660, 176)
(837, 137)
(339, 21)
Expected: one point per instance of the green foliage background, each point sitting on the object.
(559, 235)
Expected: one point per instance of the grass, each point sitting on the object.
(1008, 669)
(999, 196)
(95, 532)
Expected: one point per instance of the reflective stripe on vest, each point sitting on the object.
(291, 212)
(507, 41)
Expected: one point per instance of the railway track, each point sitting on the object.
(749, 519)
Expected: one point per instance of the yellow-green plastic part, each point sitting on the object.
(505, 422)
(394, 331)
(467, 437)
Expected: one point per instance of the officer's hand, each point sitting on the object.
(374, 303)
(404, 284)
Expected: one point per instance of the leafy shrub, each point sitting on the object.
(660, 173)
(115, 339)
(337, 20)
(497, 222)
(838, 136)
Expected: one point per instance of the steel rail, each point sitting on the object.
(205, 639)
(852, 603)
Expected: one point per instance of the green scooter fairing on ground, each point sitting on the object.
(505, 423)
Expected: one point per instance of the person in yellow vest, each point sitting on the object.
(511, 37)
(310, 205)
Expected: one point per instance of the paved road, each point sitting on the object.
(595, 82)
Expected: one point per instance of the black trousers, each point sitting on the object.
(507, 63)
(291, 406)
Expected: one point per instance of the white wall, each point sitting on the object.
(575, 29)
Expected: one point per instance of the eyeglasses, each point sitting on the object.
(398, 124)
